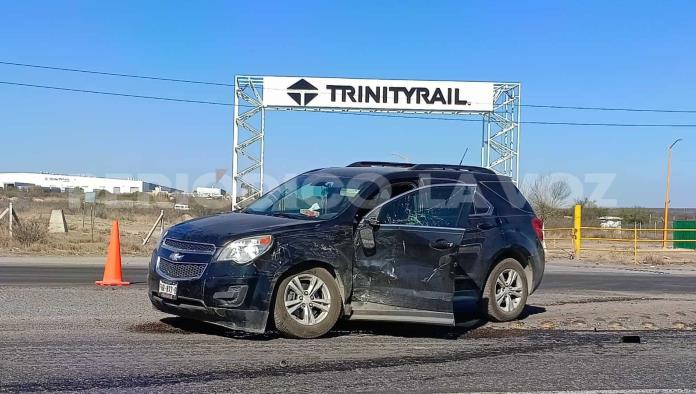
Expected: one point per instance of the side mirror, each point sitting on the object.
(367, 240)
(367, 234)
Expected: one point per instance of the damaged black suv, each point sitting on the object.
(424, 243)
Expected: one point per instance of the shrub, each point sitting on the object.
(30, 232)
(547, 195)
(100, 211)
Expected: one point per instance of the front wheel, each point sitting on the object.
(505, 294)
(307, 304)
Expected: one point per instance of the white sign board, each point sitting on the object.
(377, 94)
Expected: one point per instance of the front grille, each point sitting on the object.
(189, 247)
(180, 270)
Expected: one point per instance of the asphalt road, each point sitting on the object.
(555, 278)
(58, 331)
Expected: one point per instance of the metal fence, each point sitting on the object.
(626, 240)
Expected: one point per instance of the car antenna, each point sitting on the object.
(463, 156)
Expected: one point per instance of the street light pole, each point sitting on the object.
(669, 168)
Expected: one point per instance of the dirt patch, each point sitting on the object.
(157, 328)
(650, 253)
(494, 333)
(603, 299)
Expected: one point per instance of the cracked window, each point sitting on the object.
(434, 206)
(309, 197)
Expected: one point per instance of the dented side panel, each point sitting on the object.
(479, 246)
(327, 244)
(407, 270)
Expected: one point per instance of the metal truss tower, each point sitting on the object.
(500, 150)
(248, 140)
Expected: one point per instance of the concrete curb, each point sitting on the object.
(566, 265)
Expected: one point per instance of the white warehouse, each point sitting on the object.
(211, 192)
(86, 183)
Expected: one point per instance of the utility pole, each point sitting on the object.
(669, 168)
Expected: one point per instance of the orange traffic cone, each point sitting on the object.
(112, 270)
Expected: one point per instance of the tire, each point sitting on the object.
(324, 304)
(512, 291)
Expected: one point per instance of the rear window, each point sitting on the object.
(481, 206)
(506, 197)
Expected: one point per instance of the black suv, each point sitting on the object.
(425, 243)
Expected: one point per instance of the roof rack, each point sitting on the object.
(452, 167)
(411, 166)
(380, 164)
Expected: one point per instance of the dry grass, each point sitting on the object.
(137, 217)
(135, 220)
(618, 252)
(30, 232)
(559, 245)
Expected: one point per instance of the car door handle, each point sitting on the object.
(441, 244)
(485, 226)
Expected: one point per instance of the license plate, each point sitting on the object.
(167, 290)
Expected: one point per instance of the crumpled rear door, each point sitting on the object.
(407, 274)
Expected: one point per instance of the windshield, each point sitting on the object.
(310, 197)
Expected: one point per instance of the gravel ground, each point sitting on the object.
(73, 338)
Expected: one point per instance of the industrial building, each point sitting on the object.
(209, 192)
(21, 180)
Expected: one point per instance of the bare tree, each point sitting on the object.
(548, 196)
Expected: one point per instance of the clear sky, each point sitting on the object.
(591, 53)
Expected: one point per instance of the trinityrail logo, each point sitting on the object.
(377, 94)
(302, 92)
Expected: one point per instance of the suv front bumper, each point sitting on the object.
(222, 295)
(236, 319)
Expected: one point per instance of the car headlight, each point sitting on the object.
(161, 240)
(245, 250)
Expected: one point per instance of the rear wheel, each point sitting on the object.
(505, 294)
(307, 304)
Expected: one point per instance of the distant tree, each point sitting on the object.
(548, 196)
(590, 209)
(585, 202)
(636, 215)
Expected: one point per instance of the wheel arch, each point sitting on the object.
(305, 265)
(517, 253)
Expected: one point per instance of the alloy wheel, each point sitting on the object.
(307, 299)
(508, 290)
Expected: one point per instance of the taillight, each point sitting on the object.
(538, 226)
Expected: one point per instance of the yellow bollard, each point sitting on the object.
(577, 230)
(635, 243)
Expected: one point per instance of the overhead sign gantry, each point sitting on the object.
(496, 103)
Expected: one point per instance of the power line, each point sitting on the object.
(157, 78)
(552, 123)
(611, 124)
(682, 111)
(547, 123)
(115, 94)
(116, 74)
